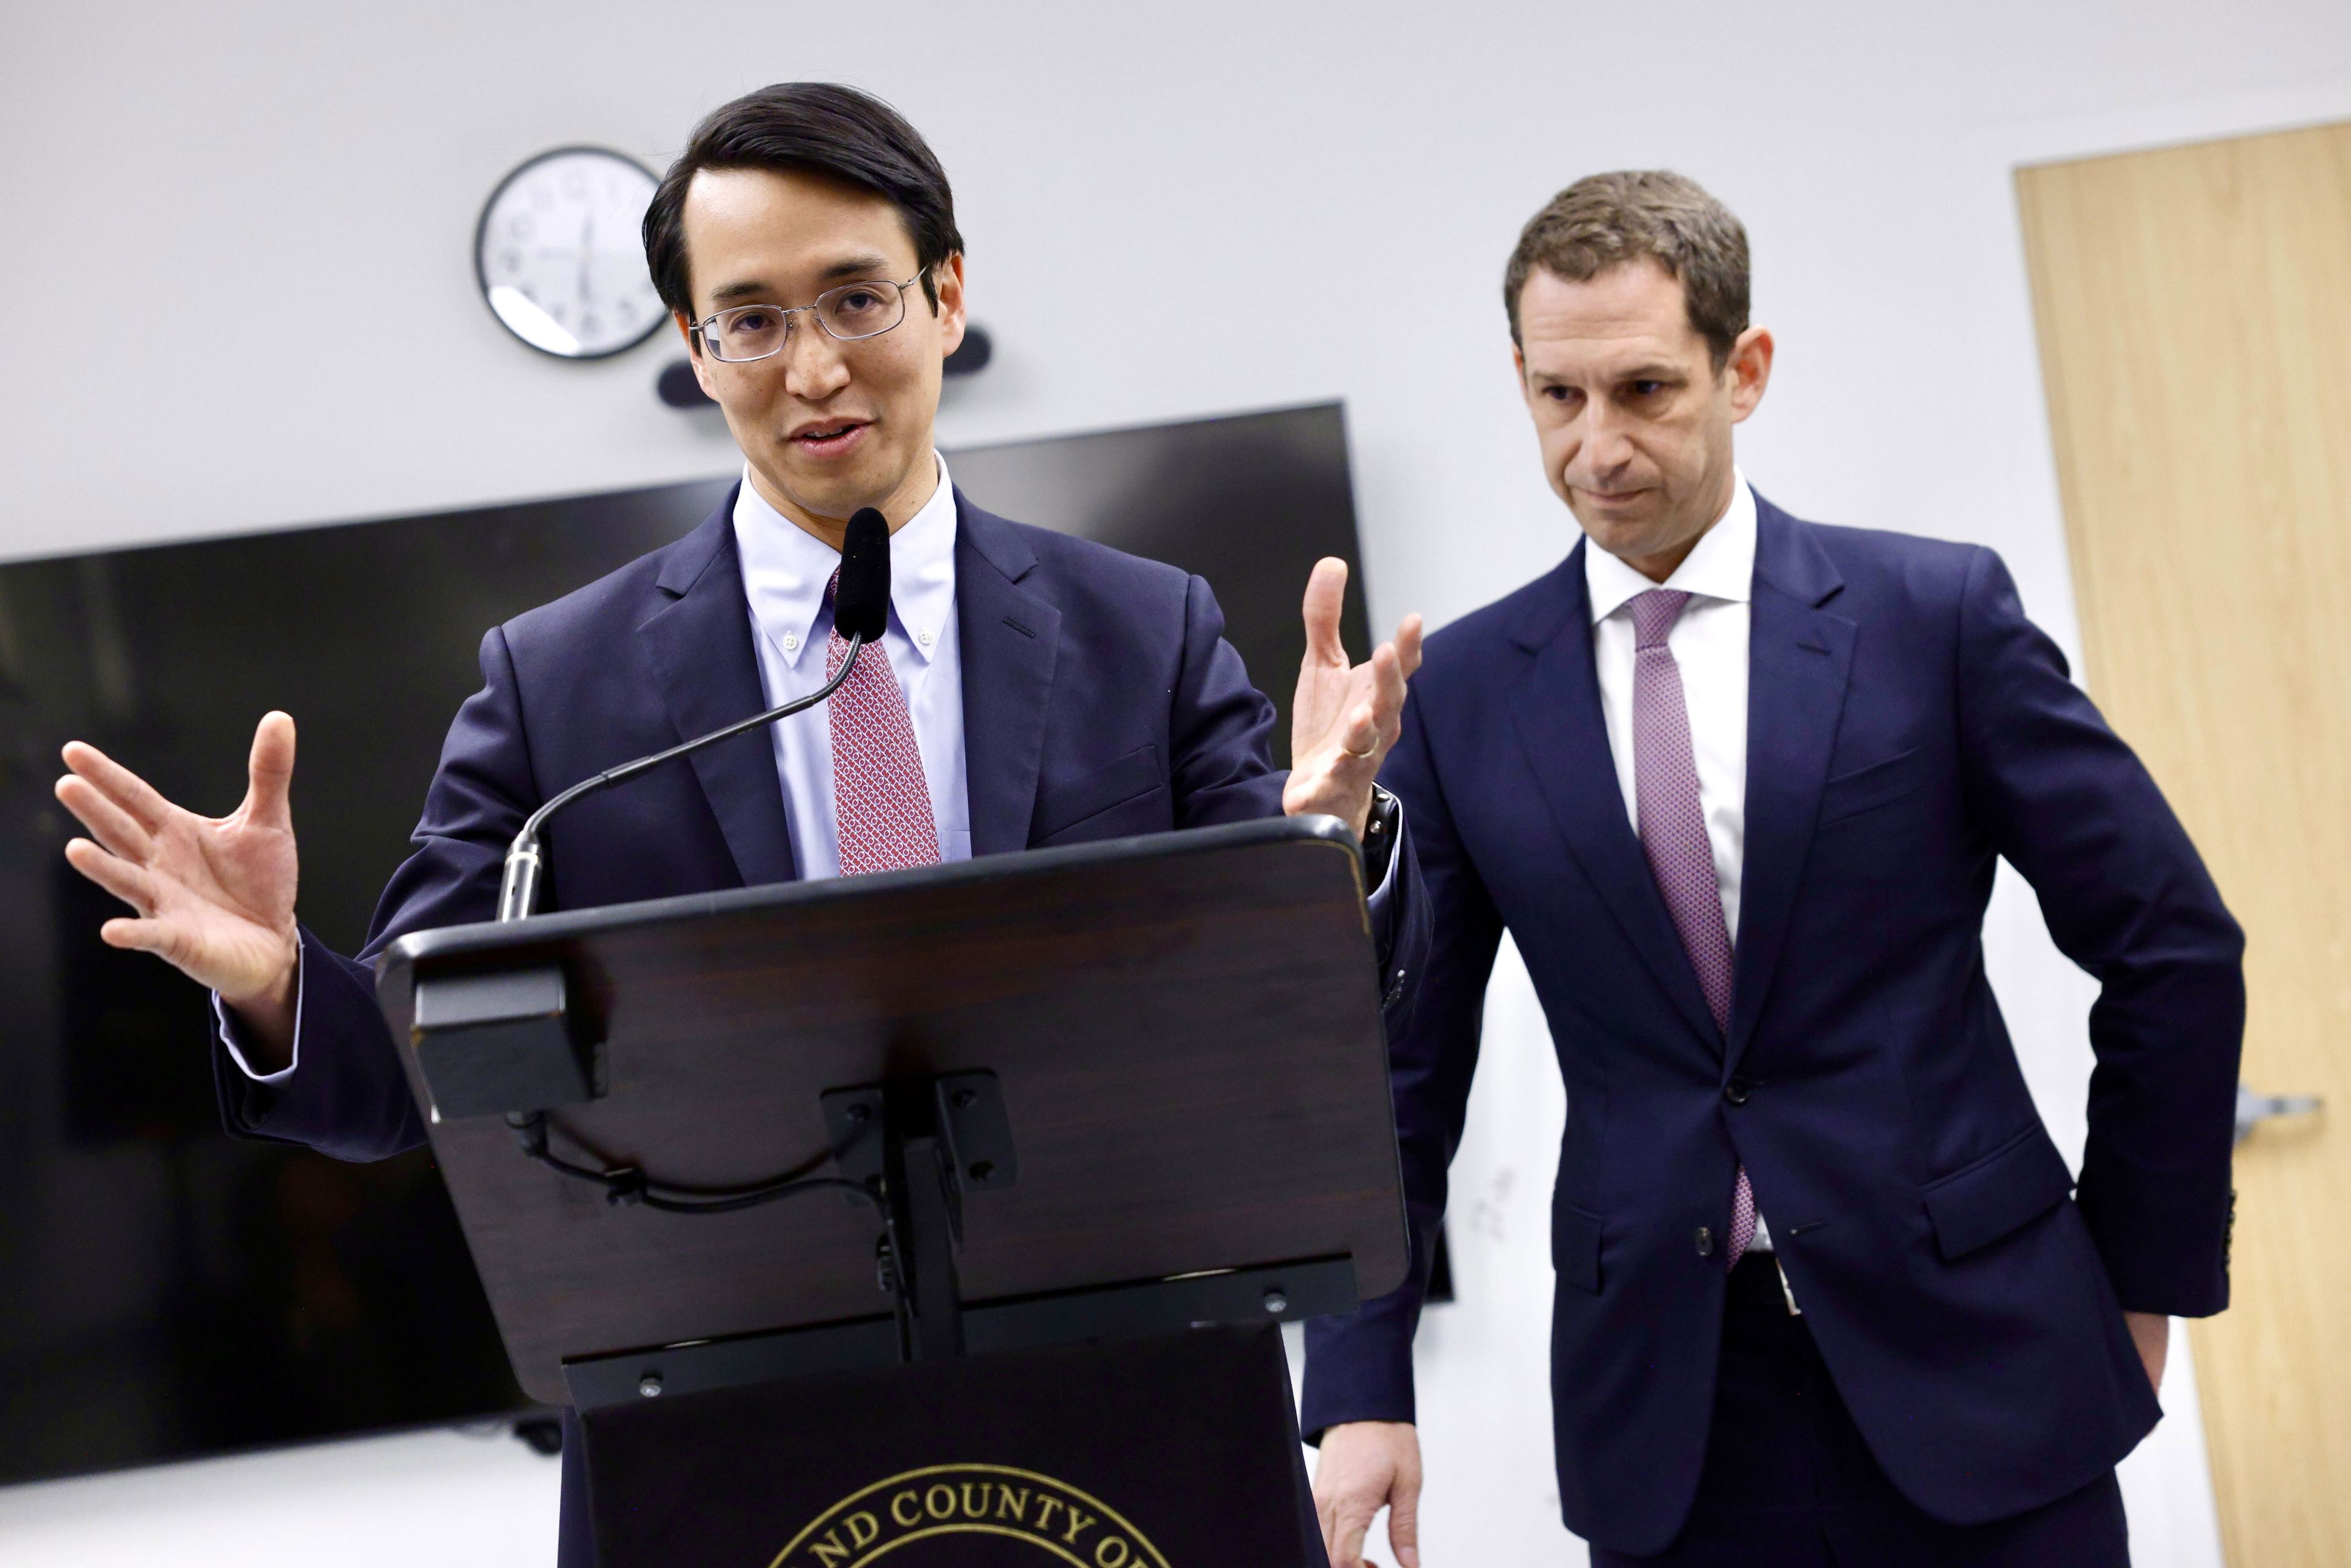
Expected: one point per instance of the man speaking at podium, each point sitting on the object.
(1030, 688)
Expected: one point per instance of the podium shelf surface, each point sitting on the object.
(1186, 1029)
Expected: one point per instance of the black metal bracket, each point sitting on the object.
(976, 1131)
(968, 1112)
(943, 1137)
(850, 1117)
(946, 1138)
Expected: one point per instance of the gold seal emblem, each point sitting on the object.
(1055, 1518)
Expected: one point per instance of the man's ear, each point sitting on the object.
(1750, 368)
(694, 355)
(1518, 365)
(949, 276)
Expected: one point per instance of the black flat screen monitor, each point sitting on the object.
(167, 1291)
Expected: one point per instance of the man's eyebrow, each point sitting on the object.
(871, 262)
(867, 264)
(726, 294)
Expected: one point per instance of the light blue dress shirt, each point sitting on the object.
(785, 571)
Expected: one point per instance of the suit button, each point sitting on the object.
(1705, 1242)
(1736, 1090)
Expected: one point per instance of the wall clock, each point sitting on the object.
(560, 257)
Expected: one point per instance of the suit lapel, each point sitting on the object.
(1009, 640)
(1799, 659)
(707, 672)
(1555, 708)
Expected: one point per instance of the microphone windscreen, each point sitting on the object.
(860, 605)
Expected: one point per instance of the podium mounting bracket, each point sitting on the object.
(942, 1136)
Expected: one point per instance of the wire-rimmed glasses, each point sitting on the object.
(853, 310)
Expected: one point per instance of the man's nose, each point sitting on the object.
(814, 366)
(1603, 445)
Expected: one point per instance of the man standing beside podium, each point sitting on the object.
(1030, 689)
(1737, 785)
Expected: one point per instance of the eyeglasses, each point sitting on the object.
(852, 311)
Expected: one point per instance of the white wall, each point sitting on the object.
(448, 1498)
(236, 294)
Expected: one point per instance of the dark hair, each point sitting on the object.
(1607, 220)
(819, 126)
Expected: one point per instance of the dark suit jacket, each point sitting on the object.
(1907, 727)
(1099, 701)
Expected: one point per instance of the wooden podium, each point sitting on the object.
(1080, 1102)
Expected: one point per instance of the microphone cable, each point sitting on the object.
(628, 1187)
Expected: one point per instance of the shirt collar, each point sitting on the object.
(1721, 566)
(786, 569)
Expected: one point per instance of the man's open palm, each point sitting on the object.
(213, 896)
(1346, 715)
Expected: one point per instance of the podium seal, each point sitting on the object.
(1061, 1522)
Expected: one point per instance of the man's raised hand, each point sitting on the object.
(1346, 715)
(213, 896)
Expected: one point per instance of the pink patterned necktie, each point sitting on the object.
(881, 802)
(1672, 834)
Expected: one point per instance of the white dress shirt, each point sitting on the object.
(1709, 641)
(785, 571)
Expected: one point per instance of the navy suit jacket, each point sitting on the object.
(1907, 727)
(1099, 701)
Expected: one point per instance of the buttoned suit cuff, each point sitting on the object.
(1359, 1366)
(2164, 1253)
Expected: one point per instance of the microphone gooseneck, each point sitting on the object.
(861, 611)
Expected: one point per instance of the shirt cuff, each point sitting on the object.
(229, 1033)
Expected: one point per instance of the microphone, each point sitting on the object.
(860, 603)
(860, 613)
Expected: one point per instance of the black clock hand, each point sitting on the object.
(587, 252)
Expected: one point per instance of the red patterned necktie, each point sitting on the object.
(881, 802)
(1672, 834)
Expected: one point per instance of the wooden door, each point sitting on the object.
(2194, 306)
